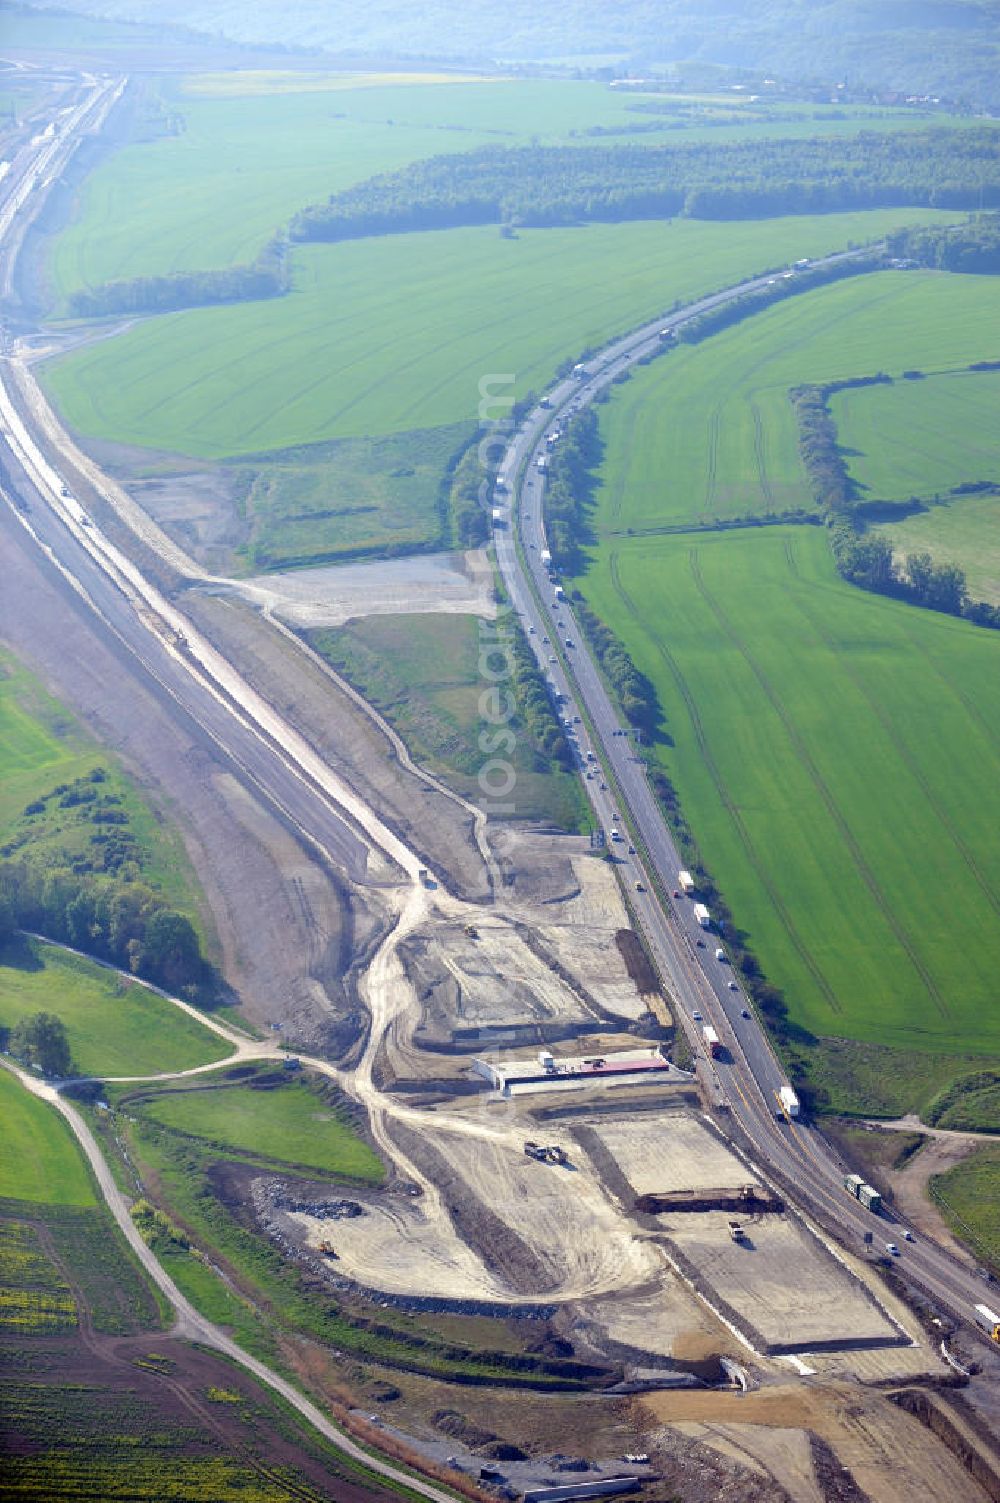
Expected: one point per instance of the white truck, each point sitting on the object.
(702, 914)
(546, 557)
(685, 882)
(788, 1102)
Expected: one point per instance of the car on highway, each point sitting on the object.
(744, 1012)
(733, 986)
(697, 1016)
(908, 1236)
(553, 660)
(531, 631)
(891, 1248)
(569, 641)
(677, 892)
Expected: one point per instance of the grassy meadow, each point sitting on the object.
(43, 749)
(965, 531)
(395, 333)
(422, 673)
(352, 498)
(969, 1198)
(40, 1160)
(114, 1027)
(838, 758)
(707, 433)
(921, 437)
(289, 1122)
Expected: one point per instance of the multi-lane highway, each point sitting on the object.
(745, 1079)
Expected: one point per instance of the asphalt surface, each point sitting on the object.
(744, 1081)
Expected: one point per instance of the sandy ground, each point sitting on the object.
(909, 1187)
(779, 1279)
(452, 583)
(675, 1151)
(893, 1458)
(781, 1454)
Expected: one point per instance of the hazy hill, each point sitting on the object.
(947, 46)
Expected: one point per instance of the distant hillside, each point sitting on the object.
(933, 46)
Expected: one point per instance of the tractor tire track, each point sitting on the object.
(822, 788)
(760, 456)
(732, 809)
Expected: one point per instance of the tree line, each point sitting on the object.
(864, 558)
(973, 247)
(694, 330)
(555, 185)
(126, 923)
(265, 277)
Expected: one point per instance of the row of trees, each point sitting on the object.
(265, 277)
(973, 247)
(868, 559)
(569, 491)
(470, 525)
(636, 694)
(126, 923)
(552, 185)
(737, 309)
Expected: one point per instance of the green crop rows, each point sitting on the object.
(395, 333)
(851, 840)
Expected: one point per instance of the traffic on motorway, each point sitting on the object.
(742, 1075)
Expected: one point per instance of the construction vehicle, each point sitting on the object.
(712, 1041)
(989, 1321)
(471, 931)
(545, 1153)
(736, 1231)
(326, 1248)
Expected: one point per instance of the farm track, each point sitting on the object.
(759, 867)
(823, 789)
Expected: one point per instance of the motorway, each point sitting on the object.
(744, 1081)
(310, 797)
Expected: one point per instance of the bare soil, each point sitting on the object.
(285, 929)
(892, 1457)
(428, 821)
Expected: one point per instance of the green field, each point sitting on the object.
(395, 333)
(220, 162)
(422, 673)
(114, 1027)
(289, 1122)
(40, 1160)
(969, 1197)
(966, 532)
(920, 438)
(838, 758)
(708, 432)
